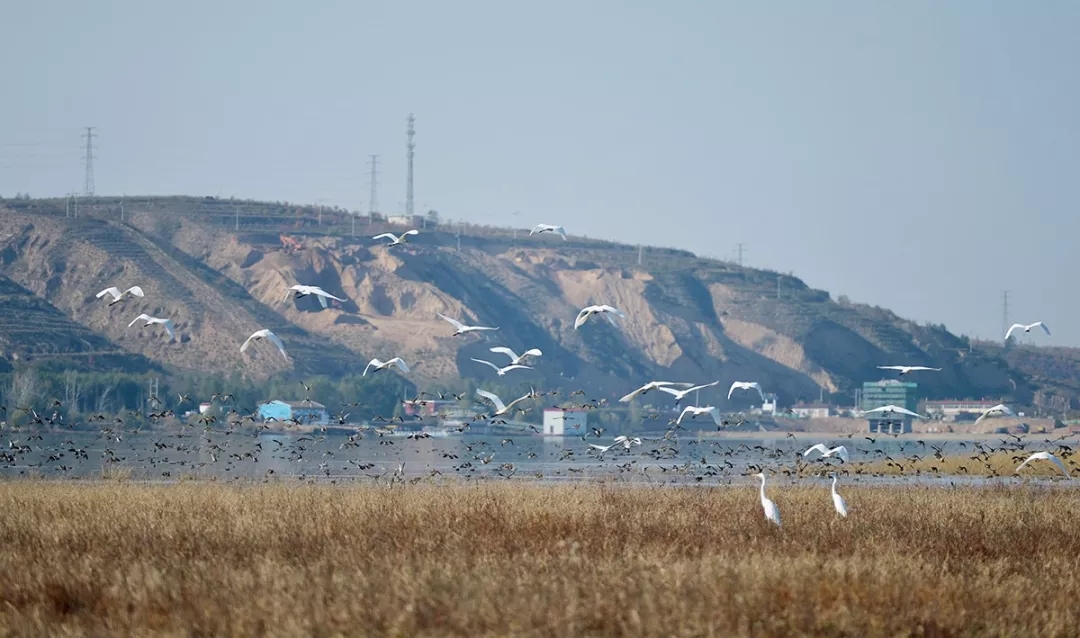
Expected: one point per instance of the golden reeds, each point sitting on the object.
(511, 559)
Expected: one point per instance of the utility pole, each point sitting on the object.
(1004, 312)
(410, 132)
(777, 286)
(459, 236)
(121, 209)
(236, 214)
(354, 215)
(739, 248)
(640, 250)
(88, 186)
(373, 196)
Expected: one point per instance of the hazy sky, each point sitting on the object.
(917, 155)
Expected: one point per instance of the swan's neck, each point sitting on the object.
(834, 485)
(763, 488)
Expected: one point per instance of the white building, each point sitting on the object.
(768, 406)
(811, 411)
(949, 410)
(558, 421)
(413, 221)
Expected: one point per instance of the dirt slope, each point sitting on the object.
(687, 318)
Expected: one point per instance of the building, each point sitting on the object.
(306, 412)
(204, 408)
(811, 411)
(558, 421)
(768, 406)
(412, 221)
(876, 394)
(949, 410)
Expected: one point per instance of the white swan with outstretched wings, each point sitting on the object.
(746, 385)
(1045, 456)
(605, 310)
(117, 296)
(155, 320)
(397, 239)
(383, 365)
(460, 328)
(1026, 328)
(516, 359)
(269, 336)
(501, 409)
(303, 291)
(502, 371)
(652, 385)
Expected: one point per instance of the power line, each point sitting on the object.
(88, 186)
(410, 132)
(373, 196)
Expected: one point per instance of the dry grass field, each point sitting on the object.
(199, 559)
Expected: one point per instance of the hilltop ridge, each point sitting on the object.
(220, 270)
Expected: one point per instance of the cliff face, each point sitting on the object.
(686, 318)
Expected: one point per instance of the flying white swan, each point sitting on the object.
(382, 365)
(998, 410)
(515, 358)
(501, 409)
(1045, 456)
(626, 441)
(460, 328)
(746, 385)
(607, 311)
(696, 411)
(116, 295)
(269, 336)
(839, 450)
(1027, 328)
(681, 394)
(548, 228)
(652, 385)
(397, 239)
(906, 369)
(503, 371)
(892, 409)
(838, 501)
(772, 512)
(304, 291)
(151, 320)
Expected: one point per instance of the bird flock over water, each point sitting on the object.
(500, 413)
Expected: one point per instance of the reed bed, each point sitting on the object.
(502, 559)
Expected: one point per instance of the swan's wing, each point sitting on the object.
(537, 229)
(1013, 327)
(698, 387)
(169, 328)
(582, 316)
(410, 232)
(482, 327)
(142, 316)
(400, 363)
(391, 236)
(673, 391)
(561, 231)
(516, 366)
(732, 388)
(519, 400)
(688, 408)
(491, 397)
(1061, 465)
(840, 451)
(454, 322)
(134, 290)
(715, 416)
(487, 363)
(757, 386)
(373, 362)
(1043, 326)
(1026, 461)
(113, 291)
(890, 367)
(277, 342)
(820, 447)
(507, 351)
(532, 352)
(322, 300)
(247, 342)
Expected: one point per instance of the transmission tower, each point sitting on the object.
(373, 196)
(88, 186)
(740, 249)
(410, 132)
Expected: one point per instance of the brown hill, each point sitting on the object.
(688, 318)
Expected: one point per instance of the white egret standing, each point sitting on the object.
(838, 501)
(772, 512)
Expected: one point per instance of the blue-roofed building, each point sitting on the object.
(306, 412)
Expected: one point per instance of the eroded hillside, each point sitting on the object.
(687, 318)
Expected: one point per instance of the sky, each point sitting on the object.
(920, 155)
